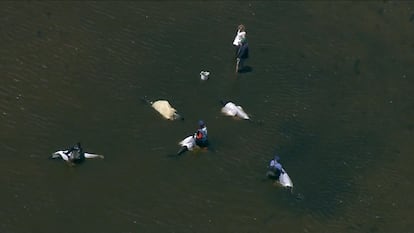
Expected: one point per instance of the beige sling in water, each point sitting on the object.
(165, 109)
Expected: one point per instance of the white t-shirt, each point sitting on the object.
(240, 35)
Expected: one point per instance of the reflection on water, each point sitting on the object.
(329, 91)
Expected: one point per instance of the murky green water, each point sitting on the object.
(330, 89)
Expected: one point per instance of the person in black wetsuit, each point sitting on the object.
(76, 154)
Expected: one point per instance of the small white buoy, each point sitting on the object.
(204, 75)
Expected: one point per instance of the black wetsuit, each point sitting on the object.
(273, 173)
(76, 154)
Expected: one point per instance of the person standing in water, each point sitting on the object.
(200, 135)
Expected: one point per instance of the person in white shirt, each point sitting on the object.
(241, 33)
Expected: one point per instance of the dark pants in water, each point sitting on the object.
(240, 66)
(273, 174)
(201, 143)
(76, 155)
(241, 55)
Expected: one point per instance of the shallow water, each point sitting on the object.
(329, 90)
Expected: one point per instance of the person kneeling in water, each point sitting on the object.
(76, 154)
(201, 135)
(274, 169)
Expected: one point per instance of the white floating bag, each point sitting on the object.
(165, 109)
(230, 109)
(204, 75)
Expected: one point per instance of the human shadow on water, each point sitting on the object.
(245, 69)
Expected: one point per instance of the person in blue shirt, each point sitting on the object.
(275, 169)
(200, 135)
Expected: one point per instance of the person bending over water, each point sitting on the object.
(201, 135)
(274, 169)
(76, 153)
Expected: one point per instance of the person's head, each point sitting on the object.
(201, 124)
(77, 146)
(241, 28)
